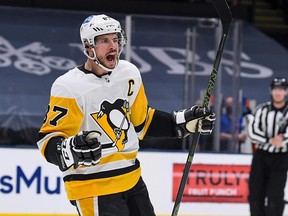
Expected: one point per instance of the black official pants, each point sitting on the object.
(134, 202)
(267, 183)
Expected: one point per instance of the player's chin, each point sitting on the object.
(111, 63)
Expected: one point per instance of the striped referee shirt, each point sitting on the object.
(268, 122)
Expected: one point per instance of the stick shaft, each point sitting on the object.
(226, 19)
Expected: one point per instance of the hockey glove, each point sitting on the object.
(82, 149)
(186, 121)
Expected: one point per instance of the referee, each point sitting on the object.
(269, 134)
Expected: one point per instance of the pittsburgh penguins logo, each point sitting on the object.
(113, 118)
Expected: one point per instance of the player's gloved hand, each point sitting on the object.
(186, 121)
(82, 149)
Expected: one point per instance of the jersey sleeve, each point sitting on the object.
(148, 121)
(162, 125)
(256, 132)
(63, 119)
(141, 113)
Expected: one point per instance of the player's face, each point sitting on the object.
(107, 48)
(278, 94)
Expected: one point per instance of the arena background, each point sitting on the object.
(38, 45)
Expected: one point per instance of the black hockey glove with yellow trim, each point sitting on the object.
(186, 121)
(82, 149)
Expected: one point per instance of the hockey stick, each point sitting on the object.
(226, 19)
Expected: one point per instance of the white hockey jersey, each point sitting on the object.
(117, 107)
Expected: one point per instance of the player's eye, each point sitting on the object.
(106, 41)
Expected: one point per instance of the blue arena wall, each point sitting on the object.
(37, 45)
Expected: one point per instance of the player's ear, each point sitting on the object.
(88, 49)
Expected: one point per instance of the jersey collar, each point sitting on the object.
(82, 68)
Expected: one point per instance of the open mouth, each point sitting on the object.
(111, 57)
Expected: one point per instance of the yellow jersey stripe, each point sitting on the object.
(97, 187)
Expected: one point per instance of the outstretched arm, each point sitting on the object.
(181, 123)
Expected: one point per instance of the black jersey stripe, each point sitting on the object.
(105, 174)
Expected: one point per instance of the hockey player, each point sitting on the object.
(269, 132)
(97, 114)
